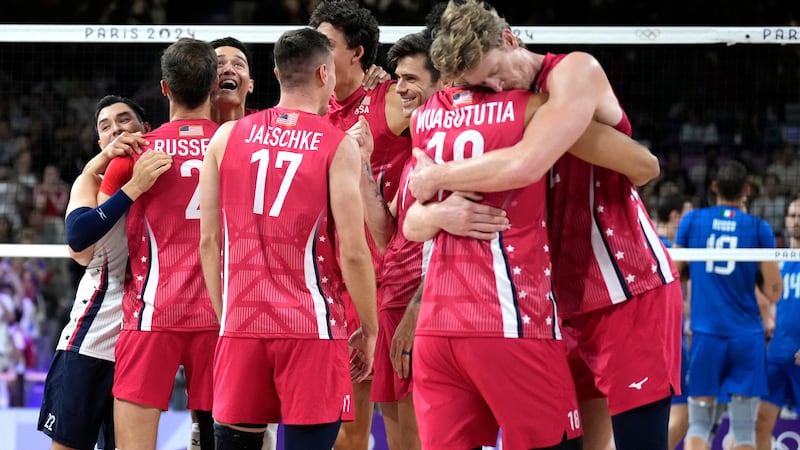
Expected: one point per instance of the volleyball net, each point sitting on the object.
(737, 87)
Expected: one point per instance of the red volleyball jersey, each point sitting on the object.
(167, 290)
(605, 248)
(497, 288)
(281, 278)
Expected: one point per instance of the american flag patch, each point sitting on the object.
(287, 119)
(190, 130)
(729, 213)
(462, 98)
(366, 100)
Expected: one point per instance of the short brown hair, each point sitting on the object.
(298, 53)
(466, 33)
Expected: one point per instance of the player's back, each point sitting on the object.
(723, 299)
(497, 288)
(605, 248)
(167, 291)
(280, 274)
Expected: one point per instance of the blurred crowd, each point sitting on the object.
(694, 106)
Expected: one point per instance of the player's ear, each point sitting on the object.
(277, 74)
(146, 127)
(322, 73)
(358, 53)
(250, 88)
(164, 88)
(509, 39)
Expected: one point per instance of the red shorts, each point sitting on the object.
(629, 353)
(299, 381)
(387, 386)
(148, 360)
(465, 389)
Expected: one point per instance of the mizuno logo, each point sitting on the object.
(638, 384)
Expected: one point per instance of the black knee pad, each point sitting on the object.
(644, 427)
(311, 437)
(229, 439)
(206, 425)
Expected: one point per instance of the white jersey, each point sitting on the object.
(96, 316)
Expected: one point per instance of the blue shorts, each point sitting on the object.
(77, 404)
(681, 399)
(727, 365)
(783, 379)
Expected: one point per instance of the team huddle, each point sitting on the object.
(503, 277)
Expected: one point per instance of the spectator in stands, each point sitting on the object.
(50, 198)
(786, 166)
(771, 204)
(7, 235)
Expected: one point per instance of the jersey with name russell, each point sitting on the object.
(605, 248)
(723, 298)
(96, 313)
(785, 340)
(497, 288)
(167, 290)
(281, 278)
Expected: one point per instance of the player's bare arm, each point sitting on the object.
(460, 214)
(772, 286)
(604, 146)
(355, 258)
(210, 230)
(380, 221)
(403, 339)
(578, 92)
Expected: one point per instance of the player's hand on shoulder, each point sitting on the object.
(374, 76)
(149, 167)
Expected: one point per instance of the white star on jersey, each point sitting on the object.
(609, 232)
(620, 255)
(510, 248)
(630, 278)
(547, 272)
(601, 209)
(321, 258)
(330, 300)
(517, 270)
(136, 314)
(139, 278)
(548, 320)
(547, 248)
(523, 294)
(144, 259)
(324, 280)
(525, 319)
(333, 322)
(322, 238)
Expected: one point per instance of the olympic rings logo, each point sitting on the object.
(647, 34)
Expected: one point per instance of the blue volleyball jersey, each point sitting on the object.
(723, 299)
(786, 338)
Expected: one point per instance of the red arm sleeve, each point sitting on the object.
(119, 171)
